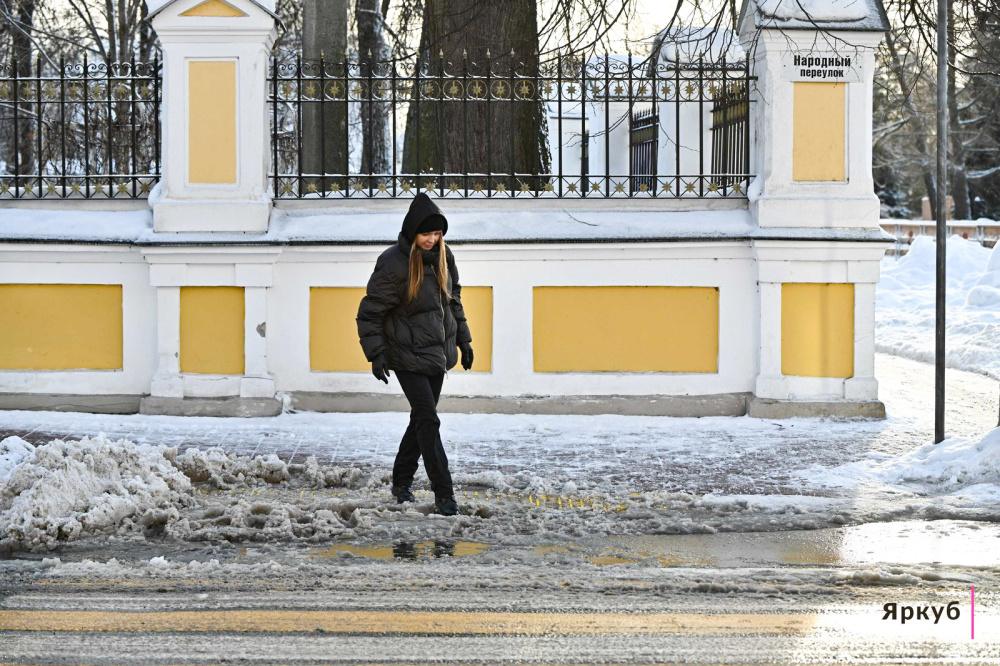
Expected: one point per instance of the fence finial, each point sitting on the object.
(487, 52)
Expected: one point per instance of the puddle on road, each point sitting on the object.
(947, 542)
(405, 550)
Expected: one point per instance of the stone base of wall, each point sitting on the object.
(95, 404)
(231, 406)
(763, 408)
(726, 404)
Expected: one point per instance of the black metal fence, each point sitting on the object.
(88, 130)
(644, 128)
(501, 128)
(731, 129)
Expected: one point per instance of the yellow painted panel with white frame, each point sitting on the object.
(61, 327)
(817, 330)
(333, 329)
(211, 121)
(626, 329)
(818, 131)
(212, 330)
(478, 305)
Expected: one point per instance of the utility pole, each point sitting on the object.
(941, 215)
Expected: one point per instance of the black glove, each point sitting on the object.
(380, 368)
(466, 355)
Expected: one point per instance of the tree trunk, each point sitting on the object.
(959, 179)
(499, 136)
(376, 150)
(324, 125)
(21, 160)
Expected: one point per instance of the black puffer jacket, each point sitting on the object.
(421, 335)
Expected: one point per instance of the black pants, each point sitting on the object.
(423, 434)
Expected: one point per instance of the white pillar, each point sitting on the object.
(215, 129)
(167, 381)
(812, 198)
(256, 382)
(251, 268)
(863, 385)
(770, 382)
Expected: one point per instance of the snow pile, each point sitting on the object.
(68, 490)
(814, 10)
(688, 44)
(13, 451)
(905, 305)
(955, 463)
(223, 470)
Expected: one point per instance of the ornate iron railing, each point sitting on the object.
(82, 130)
(390, 129)
(731, 128)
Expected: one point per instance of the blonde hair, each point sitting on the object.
(417, 269)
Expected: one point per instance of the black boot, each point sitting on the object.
(402, 494)
(446, 506)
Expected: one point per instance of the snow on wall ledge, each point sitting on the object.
(347, 224)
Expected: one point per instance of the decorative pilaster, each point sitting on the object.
(214, 115)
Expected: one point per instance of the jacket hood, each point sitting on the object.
(421, 208)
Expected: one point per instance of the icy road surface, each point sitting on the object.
(601, 539)
(778, 598)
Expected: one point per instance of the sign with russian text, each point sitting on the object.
(812, 66)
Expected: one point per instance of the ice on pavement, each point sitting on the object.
(66, 491)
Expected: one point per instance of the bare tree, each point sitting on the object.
(19, 154)
(324, 126)
(506, 136)
(376, 154)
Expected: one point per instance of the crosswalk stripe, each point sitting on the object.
(388, 622)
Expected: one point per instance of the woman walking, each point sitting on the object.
(411, 321)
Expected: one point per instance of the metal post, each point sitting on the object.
(941, 217)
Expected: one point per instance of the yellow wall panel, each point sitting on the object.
(61, 326)
(211, 122)
(214, 8)
(818, 133)
(478, 305)
(626, 329)
(212, 330)
(817, 330)
(333, 330)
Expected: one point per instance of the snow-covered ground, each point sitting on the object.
(905, 311)
(537, 479)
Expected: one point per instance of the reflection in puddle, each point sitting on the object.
(948, 542)
(405, 550)
(606, 559)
